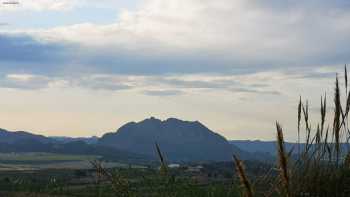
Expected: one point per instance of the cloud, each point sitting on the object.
(148, 85)
(24, 48)
(162, 92)
(192, 36)
(188, 37)
(24, 82)
(103, 82)
(4, 24)
(232, 83)
(255, 91)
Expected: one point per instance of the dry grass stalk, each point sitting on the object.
(282, 160)
(323, 111)
(336, 121)
(163, 165)
(346, 78)
(120, 186)
(326, 147)
(306, 115)
(299, 121)
(243, 177)
(305, 109)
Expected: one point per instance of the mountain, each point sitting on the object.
(179, 140)
(21, 141)
(11, 137)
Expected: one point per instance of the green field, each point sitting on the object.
(29, 157)
(40, 161)
(137, 181)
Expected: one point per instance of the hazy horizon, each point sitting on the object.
(83, 68)
(115, 130)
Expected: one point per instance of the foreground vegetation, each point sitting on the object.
(322, 165)
(120, 182)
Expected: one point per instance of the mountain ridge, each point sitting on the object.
(11, 137)
(178, 139)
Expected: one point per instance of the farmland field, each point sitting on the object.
(43, 157)
(39, 161)
(139, 181)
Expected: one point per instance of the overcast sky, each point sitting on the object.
(83, 67)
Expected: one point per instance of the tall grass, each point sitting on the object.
(163, 165)
(282, 161)
(119, 184)
(248, 191)
(323, 167)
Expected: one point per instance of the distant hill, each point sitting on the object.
(20, 141)
(11, 137)
(253, 146)
(179, 140)
(258, 147)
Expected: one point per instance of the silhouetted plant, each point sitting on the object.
(322, 168)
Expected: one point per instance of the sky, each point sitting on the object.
(83, 67)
